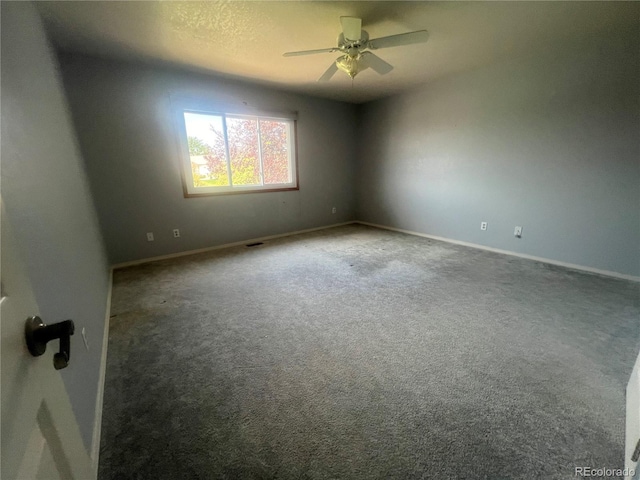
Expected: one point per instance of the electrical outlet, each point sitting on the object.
(518, 232)
(333, 210)
(150, 237)
(483, 226)
(176, 232)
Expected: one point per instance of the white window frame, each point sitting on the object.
(190, 190)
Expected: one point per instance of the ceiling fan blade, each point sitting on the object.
(309, 52)
(419, 36)
(351, 27)
(375, 63)
(326, 76)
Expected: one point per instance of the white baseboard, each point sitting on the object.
(226, 245)
(508, 252)
(97, 426)
(573, 266)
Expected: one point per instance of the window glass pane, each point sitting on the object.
(207, 153)
(274, 136)
(242, 134)
(234, 152)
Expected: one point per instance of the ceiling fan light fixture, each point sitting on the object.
(349, 64)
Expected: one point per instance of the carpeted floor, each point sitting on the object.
(358, 353)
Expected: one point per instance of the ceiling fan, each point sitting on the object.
(355, 44)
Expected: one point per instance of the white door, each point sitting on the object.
(40, 436)
(633, 423)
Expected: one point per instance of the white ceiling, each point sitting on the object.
(247, 38)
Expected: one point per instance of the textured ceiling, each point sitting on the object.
(247, 38)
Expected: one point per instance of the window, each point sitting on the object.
(226, 153)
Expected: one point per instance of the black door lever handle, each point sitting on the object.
(38, 334)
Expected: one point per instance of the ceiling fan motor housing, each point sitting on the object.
(353, 47)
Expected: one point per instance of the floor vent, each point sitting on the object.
(254, 244)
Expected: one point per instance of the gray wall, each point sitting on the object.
(550, 143)
(122, 116)
(47, 200)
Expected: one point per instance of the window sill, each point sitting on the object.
(239, 192)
